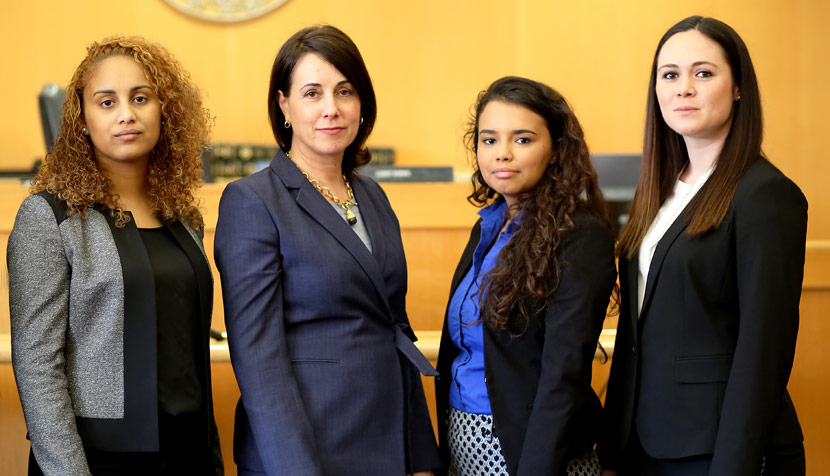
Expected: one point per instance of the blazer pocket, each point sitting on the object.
(315, 361)
(712, 369)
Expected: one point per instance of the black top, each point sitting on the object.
(180, 383)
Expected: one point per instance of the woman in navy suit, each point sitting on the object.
(711, 264)
(314, 285)
(529, 295)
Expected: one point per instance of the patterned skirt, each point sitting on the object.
(475, 450)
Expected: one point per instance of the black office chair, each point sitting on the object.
(50, 101)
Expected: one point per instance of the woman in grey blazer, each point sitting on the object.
(110, 289)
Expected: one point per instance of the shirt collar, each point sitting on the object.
(493, 215)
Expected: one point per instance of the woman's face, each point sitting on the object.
(122, 113)
(323, 108)
(694, 86)
(514, 148)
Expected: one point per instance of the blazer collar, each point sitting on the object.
(466, 258)
(668, 239)
(321, 211)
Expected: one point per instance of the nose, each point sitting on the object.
(685, 87)
(504, 153)
(126, 113)
(330, 106)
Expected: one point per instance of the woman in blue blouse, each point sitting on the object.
(529, 295)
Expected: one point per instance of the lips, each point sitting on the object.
(686, 110)
(128, 134)
(331, 130)
(505, 173)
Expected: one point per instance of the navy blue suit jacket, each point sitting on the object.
(313, 318)
(702, 369)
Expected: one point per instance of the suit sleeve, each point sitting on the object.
(573, 322)
(770, 232)
(39, 276)
(247, 250)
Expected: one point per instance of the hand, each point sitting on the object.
(609, 472)
(430, 473)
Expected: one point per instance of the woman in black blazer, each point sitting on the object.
(110, 290)
(711, 264)
(529, 295)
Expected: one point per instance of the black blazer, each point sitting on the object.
(539, 383)
(703, 370)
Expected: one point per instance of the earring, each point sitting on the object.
(286, 124)
(361, 120)
(739, 97)
(86, 132)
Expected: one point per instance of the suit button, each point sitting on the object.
(634, 350)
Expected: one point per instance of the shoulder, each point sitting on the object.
(588, 227)
(764, 182)
(767, 198)
(258, 185)
(41, 207)
(370, 185)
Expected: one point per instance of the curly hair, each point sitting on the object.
(174, 172)
(527, 270)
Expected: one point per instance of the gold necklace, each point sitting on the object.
(350, 216)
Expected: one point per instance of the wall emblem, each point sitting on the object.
(225, 10)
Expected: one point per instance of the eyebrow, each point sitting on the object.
(515, 132)
(110, 91)
(696, 63)
(318, 85)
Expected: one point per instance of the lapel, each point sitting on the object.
(201, 268)
(466, 257)
(140, 358)
(629, 268)
(320, 210)
(663, 246)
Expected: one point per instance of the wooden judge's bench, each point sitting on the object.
(435, 221)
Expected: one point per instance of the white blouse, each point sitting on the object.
(668, 213)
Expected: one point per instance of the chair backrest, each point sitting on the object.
(50, 101)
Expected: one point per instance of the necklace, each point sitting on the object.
(345, 204)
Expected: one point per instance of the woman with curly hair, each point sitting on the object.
(529, 296)
(110, 289)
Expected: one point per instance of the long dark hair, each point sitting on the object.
(528, 269)
(665, 154)
(338, 49)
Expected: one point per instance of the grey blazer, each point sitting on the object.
(83, 324)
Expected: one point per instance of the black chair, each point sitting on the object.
(50, 101)
(618, 175)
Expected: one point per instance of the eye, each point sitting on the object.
(703, 74)
(311, 94)
(523, 140)
(140, 99)
(669, 75)
(107, 103)
(345, 92)
(488, 140)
